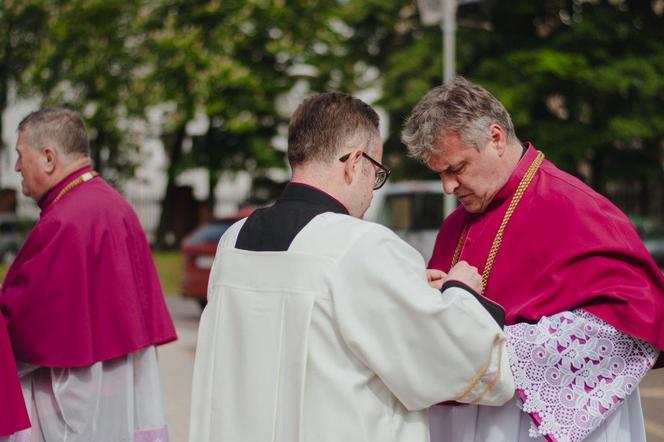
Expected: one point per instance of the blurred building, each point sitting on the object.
(144, 191)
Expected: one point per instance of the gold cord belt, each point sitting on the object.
(523, 184)
(87, 176)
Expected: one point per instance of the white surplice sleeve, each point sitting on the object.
(110, 401)
(572, 371)
(425, 346)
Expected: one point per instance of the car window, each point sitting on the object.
(648, 228)
(210, 233)
(412, 211)
(7, 227)
(428, 211)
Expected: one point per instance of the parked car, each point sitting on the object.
(652, 235)
(413, 209)
(10, 238)
(197, 252)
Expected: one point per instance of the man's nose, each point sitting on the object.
(449, 183)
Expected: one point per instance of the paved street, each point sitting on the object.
(652, 398)
(177, 362)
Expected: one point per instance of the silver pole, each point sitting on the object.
(448, 25)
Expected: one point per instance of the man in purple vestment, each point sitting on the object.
(583, 300)
(83, 302)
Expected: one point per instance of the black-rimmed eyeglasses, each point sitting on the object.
(382, 172)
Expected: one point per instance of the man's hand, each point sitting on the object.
(436, 278)
(467, 274)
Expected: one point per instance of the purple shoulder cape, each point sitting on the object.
(84, 287)
(565, 247)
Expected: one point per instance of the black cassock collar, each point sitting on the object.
(273, 229)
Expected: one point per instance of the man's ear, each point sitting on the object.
(50, 159)
(498, 138)
(351, 165)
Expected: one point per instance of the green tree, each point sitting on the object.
(88, 59)
(22, 23)
(230, 61)
(584, 80)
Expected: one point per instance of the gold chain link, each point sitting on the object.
(457, 250)
(523, 184)
(87, 176)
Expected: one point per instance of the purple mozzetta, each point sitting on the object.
(565, 247)
(84, 288)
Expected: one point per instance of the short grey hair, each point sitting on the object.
(59, 127)
(459, 106)
(324, 124)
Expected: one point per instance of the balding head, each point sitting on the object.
(52, 143)
(58, 127)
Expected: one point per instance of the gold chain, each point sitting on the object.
(523, 184)
(87, 176)
(457, 250)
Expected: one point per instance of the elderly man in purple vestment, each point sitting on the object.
(82, 299)
(583, 299)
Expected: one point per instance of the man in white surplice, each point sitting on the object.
(323, 327)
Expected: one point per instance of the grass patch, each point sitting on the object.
(169, 268)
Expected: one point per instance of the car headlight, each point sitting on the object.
(204, 261)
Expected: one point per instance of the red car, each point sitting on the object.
(198, 251)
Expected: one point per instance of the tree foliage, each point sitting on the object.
(583, 79)
(87, 60)
(22, 23)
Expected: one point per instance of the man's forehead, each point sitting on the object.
(446, 152)
(448, 139)
(439, 163)
(20, 143)
(24, 141)
(22, 137)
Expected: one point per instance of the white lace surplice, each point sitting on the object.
(110, 401)
(577, 379)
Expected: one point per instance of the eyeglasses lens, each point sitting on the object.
(380, 179)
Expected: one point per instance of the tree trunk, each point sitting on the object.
(598, 179)
(213, 176)
(167, 206)
(3, 106)
(659, 200)
(96, 152)
(4, 86)
(213, 179)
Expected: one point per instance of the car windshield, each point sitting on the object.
(648, 228)
(210, 233)
(412, 211)
(7, 226)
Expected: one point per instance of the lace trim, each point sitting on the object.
(572, 370)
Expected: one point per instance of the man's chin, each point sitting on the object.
(472, 208)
